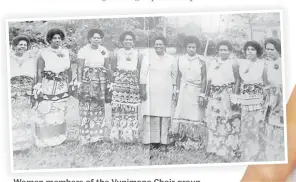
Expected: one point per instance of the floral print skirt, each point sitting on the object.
(50, 121)
(22, 113)
(274, 132)
(224, 126)
(188, 129)
(253, 118)
(124, 127)
(92, 105)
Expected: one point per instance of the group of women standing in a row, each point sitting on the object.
(230, 107)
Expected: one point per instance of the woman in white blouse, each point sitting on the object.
(126, 67)
(53, 78)
(275, 148)
(188, 126)
(22, 74)
(223, 121)
(252, 71)
(93, 65)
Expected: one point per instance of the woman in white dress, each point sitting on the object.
(22, 75)
(51, 90)
(92, 76)
(223, 120)
(275, 146)
(159, 81)
(188, 126)
(253, 80)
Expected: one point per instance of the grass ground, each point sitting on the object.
(102, 154)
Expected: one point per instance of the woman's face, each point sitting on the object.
(56, 41)
(251, 53)
(128, 41)
(271, 52)
(191, 49)
(96, 39)
(21, 47)
(159, 47)
(224, 52)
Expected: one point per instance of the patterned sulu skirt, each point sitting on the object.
(223, 123)
(274, 132)
(253, 122)
(124, 126)
(188, 129)
(91, 97)
(22, 113)
(50, 121)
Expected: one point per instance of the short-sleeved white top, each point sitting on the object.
(93, 57)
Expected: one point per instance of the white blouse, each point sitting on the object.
(190, 68)
(221, 72)
(274, 72)
(127, 59)
(56, 60)
(251, 72)
(93, 57)
(23, 66)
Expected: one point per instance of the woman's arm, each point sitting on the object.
(40, 69)
(179, 76)
(142, 66)
(174, 72)
(264, 75)
(113, 62)
(80, 66)
(70, 74)
(237, 83)
(203, 77)
(107, 65)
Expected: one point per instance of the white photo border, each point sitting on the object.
(7, 21)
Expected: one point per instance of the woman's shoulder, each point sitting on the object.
(182, 57)
(103, 48)
(83, 48)
(65, 50)
(171, 57)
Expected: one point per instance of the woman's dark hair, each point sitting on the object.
(275, 42)
(224, 43)
(256, 46)
(191, 40)
(124, 34)
(16, 40)
(52, 32)
(163, 39)
(92, 32)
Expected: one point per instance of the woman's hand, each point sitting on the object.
(143, 94)
(201, 100)
(37, 90)
(175, 95)
(278, 172)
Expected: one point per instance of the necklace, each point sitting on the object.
(128, 54)
(219, 63)
(19, 60)
(249, 66)
(58, 51)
